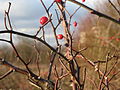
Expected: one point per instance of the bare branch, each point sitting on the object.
(24, 72)
(6, 74)
(114, 7)
(95, 12)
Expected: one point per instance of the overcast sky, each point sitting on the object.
(25, 14)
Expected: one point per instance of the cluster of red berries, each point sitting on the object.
(60, 36)
(44, 20)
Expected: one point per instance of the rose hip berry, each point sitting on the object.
(58, 1)
(117, 39)
(59, 36)
(43, 20)
(75, 24)
(83, 0)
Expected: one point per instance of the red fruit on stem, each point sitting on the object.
(43, 20)
(58, 1)
(111, 38)
(117, 39)
(83, 0)
(75, 24)
(59, 36)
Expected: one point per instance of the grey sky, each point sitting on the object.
(24, 13)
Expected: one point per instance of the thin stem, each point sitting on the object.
(36, 38)
(95, 12)
(114, 7)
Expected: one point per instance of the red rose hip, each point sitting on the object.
(59, 36)
(83, 0)
(117, 39)
(58, 1)
(75, 24)
(43, 20)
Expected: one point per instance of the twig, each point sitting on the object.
(52, 25)
(24, 72)
(92, 81)
(51, 63)
(95, 12)
(37, 60)
(6, 74)
(35, 38)
(114, 7)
